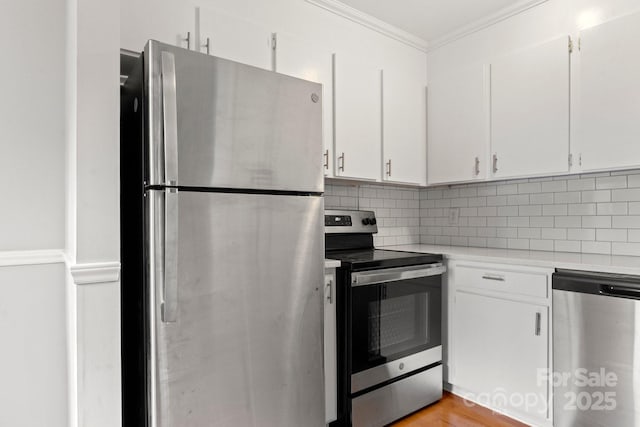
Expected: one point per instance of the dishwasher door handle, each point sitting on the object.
(620, 291)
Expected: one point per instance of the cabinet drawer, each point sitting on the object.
(528, 283)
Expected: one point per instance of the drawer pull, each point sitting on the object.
(538, 329)
(492, 277)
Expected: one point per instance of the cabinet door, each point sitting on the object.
(299, 59)
(499, 346)
(233, 38)
(358, 133)
(330, 349)
(458, 125)
(608, 101)
(404, 141)
(530, 111)
(167, 21)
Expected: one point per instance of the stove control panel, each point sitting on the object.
(345, 221)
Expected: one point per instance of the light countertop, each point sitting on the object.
(331, 263)
(564, 260)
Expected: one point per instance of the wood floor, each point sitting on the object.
(452, 411)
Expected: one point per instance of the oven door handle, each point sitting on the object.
(394, 274)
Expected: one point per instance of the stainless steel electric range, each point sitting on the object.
(389, 324)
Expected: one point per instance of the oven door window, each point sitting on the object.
(392, 320)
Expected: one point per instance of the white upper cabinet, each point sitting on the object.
(530, 111)
(233, 38)
(608, 95)
(358, 133)
(458, 125)
(167, 21)
(300, 59)
(405, 120)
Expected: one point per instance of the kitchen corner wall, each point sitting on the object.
(589, 213)
(397, 208)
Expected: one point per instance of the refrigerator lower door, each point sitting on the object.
(218, 123)
(243, 345)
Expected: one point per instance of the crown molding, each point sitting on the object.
(483, 23)
(16, 258)
(91, 273)
(370, 22)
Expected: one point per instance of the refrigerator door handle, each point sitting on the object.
(170, 276)
(170, 119)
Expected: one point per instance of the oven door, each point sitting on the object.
(396, 319)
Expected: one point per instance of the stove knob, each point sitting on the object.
(373, 221)
(366, 221)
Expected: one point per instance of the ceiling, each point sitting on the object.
(429, 19)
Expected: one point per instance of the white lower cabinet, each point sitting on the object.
(330, 351)
(500, 340)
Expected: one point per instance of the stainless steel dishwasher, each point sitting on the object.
(596, 349)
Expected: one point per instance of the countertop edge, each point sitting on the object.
(551, 260)
(331, 263)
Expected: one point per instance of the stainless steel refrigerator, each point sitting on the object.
(222, 244)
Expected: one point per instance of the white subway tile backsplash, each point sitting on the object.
(596, 196)
(530, 187)
(631, 221)
(530, 210)
(626, 195)
(581, 184)
(541, 245)
(507, 211)
(566, 246)
(633, 181)
(568, 222)
(592, 213)
(596, 221)
(499, 221)
(568, 197)
(619, 208)
(609, 182)
(582, 209)
(554, 233)
(553, 186)
(581, 234)
(634, 236)
(596, 247)
(632, 249)
(541, 199)
(518, 243)
(611, 235)
(541, 221)
(554, 210)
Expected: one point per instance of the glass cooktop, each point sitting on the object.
(361, 259)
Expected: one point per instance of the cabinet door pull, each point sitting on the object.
(330, 293)
(538, 324)
(188, 39)
(341, 162)
(493, 277)
(495, 163)
(389, 167)
(208, 45)
(326, 159)
(477, 166)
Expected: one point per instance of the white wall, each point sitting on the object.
(93, 223)
(33, 367)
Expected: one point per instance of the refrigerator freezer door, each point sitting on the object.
(245, 345)
(235, 126)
